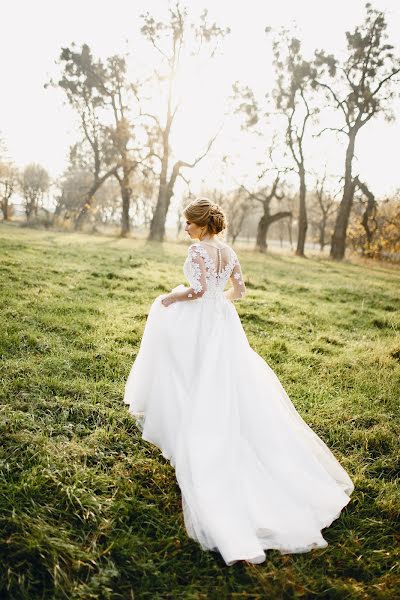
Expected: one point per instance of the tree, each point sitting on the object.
(326, 207)
(107, 210)
(294, 76)
(381, 238)
(247, 105)
(368, 220)
(387, 242)
(265, 196)
(72, 185)
(238, 206)
(144, 198)
(120, 95)
(80, 81)
(174, 41)
(9, 177)
(34, 184)
(367, 76)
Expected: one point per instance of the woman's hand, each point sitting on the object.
(169, 299)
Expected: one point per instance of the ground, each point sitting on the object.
(90, 511)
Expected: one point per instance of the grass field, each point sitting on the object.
(90, 511)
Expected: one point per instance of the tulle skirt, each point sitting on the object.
(252, 474)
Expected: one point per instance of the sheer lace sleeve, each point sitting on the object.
(198, 272)
(196, 275)
(238, 288)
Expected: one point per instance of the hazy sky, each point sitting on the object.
(38, 126)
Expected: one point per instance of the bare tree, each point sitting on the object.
(144, 185)
(9, 177)
(238, 205)
(172, 40)
(107, 209)
(34, 183)
(367, 75)
(327, 208)
(265, 196)
(283, 228)
(294, 76)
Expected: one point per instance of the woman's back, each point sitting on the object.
(220, 254)
(219, 262)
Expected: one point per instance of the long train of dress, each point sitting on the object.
(253, 475)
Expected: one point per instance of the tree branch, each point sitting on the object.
(342, 130)
(338, 102)
(159, 49)
(384, 81)
(280, 215)
(183, 163)
(251, 195)
(154, 117)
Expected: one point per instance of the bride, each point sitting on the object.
(253, 476)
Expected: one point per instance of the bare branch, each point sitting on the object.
(339, 103)
(152, 40)
(385, 80)
(342, 130)
(183, 163)
(305, 118)
(178, 104)
(184, 179)
(151, 116)
(280, 215)
(252, 195)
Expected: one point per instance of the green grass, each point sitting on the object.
(90, 511)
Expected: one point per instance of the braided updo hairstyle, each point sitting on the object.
(207, 214)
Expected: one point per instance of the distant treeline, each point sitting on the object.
(124, 169)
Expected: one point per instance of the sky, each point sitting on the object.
(38, 126)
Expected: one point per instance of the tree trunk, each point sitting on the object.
(264, 223)
(262, 231)
(322, 228)
(157, 225)
(338, 244)
(302, 227)
(290, 232)
(126, 192)
(5, 209)
(29, 209)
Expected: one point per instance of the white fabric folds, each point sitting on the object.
(252, 474)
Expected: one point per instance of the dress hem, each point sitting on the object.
(258, 559)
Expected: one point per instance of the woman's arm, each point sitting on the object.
(197, 278)
(238, 288)
(183, 295)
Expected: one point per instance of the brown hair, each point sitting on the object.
(205, 213)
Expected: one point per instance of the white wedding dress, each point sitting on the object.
(252, 474)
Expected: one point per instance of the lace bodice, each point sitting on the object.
(208, 276)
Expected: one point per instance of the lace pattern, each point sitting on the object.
(197, 267)
(239, 288)
(206, 280)
(196, 272)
